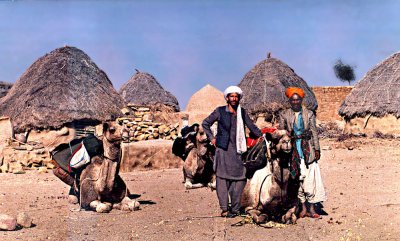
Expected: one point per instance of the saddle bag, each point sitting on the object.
(256, 157)
(64, 152)
(178, 147)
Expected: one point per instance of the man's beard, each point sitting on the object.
(296, 107)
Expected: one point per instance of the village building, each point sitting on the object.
(203, 102)
(264, 89)
(61, 96)
(372, 107)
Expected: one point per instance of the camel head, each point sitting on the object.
(281, 149)
(112, 132)
(112, 137)
(202, 142)
(282, 141)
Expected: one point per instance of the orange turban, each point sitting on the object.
(290, 91)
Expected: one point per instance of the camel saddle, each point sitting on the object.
(63, 153)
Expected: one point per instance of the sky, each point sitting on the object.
(186, 44)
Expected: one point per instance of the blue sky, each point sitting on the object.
(188, 44)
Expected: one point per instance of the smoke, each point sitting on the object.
(344, 72)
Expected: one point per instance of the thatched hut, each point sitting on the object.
(203, 102)
(61, 88)
(144, 89)
(373, 104)
(265, 84)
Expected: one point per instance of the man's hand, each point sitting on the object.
(317, 155)
(214, 141)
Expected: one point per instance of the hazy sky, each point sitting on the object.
(188, 44)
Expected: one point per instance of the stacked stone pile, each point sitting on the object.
(18, 157)
(139, 126)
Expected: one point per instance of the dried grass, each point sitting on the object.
(377, 93)
(264, 88)
(144, 89)
(61, 87)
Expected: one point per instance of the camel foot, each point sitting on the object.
(93, 205)
(262, 218)
(72, 199)
(103, 207)
(128, 204)
(212, 185)
(189, 185)
(290, 216)
(257, 216)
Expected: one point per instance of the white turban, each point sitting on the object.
(233, 89)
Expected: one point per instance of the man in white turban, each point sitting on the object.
(230, 143)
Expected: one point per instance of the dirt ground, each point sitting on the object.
(363, 204)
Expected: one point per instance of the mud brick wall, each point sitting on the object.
(329, 100)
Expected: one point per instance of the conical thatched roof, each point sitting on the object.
(144, 89)
(377, 93)
(264, 87)
(206, 100)
(61, 87)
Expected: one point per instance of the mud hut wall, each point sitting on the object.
(329, 99)
(148, 155)
(371, 124)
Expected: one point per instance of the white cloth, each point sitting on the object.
(312, 189)
(241, 146)
(80, 157)
(233, 89)
(303, 169)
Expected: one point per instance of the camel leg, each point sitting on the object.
(212, 185)
(64, 176)
(189, 185)
(257, 216)
(88, 192)
(290, 216)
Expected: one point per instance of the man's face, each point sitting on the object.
(295, 102)
(233, 99)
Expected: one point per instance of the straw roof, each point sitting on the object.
(61, 87)
(264, 87)
(206, 100)
(144, 89)
(4, 88)
(377, 93)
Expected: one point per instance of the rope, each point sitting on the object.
(259, 195)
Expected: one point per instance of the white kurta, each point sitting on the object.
(312, 188)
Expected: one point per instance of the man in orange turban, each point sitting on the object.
(301, 123)
(294, 90)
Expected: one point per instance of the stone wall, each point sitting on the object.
(329, 100)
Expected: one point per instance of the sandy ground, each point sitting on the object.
(363, 204)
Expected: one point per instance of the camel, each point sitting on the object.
(197, 153)
(98, 186)
(272, 193)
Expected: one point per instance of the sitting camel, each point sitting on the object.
(98, 185)
(272, 193)
(197, 153)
